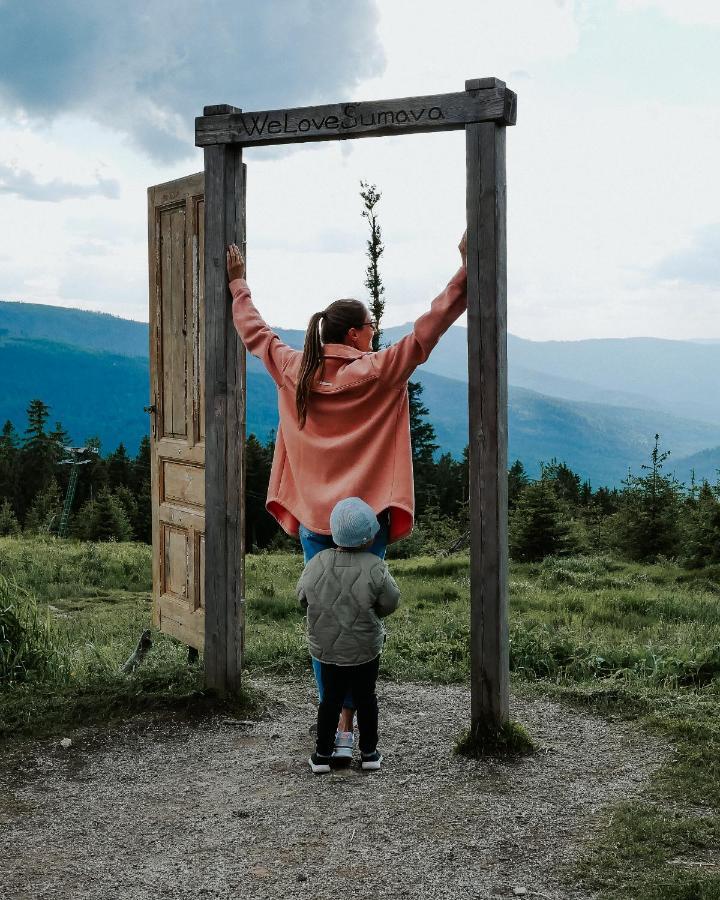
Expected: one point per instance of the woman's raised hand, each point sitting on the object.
(462, 247)
(235, 262)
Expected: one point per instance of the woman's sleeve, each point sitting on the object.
(397, 363)
(257, 335)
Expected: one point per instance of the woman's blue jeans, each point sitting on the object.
(312, 543)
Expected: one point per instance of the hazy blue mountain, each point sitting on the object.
(93, 391)
(597, 441)
(678, 376)
(89, 330)
(705, 464)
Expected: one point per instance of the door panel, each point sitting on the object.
(173, 334)
(199, 317)
(175, 224)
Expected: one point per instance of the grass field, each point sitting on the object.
(642, 642)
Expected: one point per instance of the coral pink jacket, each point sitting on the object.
(356, 439)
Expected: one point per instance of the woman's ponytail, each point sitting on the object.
(337, 320)
(312, 359)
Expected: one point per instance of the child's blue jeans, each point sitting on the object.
(312, 543)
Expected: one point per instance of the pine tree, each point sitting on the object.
(142, 526)
(8, 522)
(129, 503)
(649, 513)
(37, 456)
(141, 465)
(565, 482)
(607, 500)
(140, 484)
(59, 439)
(537, 524)
(450, 488)
(94, 476)
(9, 463)
(586, 494)
(103, 519)
(119, 468)
(422, 433)
(517, 482)
(260, 527)
(375, 249)
(422, 437)
(702, 545)
(45, 511)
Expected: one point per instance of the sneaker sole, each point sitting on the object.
(372, 766)
(342, 753)
(319, 768)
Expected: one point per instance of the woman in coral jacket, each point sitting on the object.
(344, 411)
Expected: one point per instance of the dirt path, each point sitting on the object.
(225, 810)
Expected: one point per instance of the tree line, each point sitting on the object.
(650, 517)
(112, 496)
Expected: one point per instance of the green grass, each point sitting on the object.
(88, 605)
(625, 640)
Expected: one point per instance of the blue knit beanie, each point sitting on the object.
(353, 523)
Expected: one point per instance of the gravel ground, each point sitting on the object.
(227, 809)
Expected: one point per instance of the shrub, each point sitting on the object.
(27, 650)
(8, 521)
(537, 524)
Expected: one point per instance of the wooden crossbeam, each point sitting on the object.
(487, 100)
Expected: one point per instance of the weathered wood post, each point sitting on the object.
(487, 400)
(224, 421)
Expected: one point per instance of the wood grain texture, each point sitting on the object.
(224, 426)
(344, 121)
(487, 400)
(177, 458)
(173, 344)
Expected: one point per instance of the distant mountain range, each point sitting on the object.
(594, 404)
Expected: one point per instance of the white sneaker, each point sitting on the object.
(344, 743)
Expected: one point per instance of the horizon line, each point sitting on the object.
(100, 312)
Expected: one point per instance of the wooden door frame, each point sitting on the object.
(483, 109)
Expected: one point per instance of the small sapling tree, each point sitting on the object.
(649, 512)
(375, 249)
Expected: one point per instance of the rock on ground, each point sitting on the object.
(224, 809)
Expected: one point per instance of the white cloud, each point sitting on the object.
(146, 70)
(433, 50)
(25, 184)
(686, 12)
(698, 263)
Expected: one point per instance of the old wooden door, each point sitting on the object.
(176, 262)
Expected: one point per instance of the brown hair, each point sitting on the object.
(327, 327)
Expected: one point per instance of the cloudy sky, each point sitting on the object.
(613, 187)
